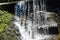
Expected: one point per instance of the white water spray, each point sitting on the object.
(30, 28)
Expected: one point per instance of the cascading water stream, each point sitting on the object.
(33, 25)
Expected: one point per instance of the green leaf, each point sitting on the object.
(5, 19)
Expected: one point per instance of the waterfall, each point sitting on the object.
(33, 25)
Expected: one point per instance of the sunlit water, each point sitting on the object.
(29, 29)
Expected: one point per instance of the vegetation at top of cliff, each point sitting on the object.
(5, 19)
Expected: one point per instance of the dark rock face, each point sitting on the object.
(53, 30)
(49, 30)
(53, 5)
(8, 0)
(8, 7)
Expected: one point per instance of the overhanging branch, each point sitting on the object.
(8, 3)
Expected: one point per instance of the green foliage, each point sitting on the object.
(7, 31)
(8, 34)
(5, 19)
(2, 26)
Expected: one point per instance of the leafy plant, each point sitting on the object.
(5, 19)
